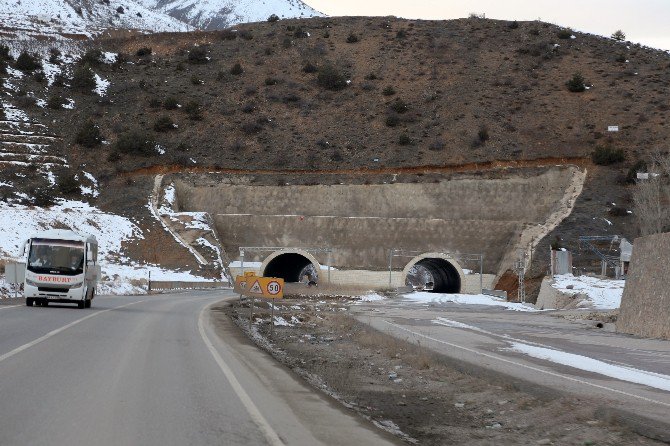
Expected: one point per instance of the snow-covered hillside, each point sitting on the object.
(121, 275)
(82, 17)
(55, 18)
(219, 14)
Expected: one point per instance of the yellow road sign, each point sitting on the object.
(254, 286)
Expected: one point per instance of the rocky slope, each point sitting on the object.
(353, 99)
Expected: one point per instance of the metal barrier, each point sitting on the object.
(180, 285)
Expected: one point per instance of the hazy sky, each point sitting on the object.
(643, 21)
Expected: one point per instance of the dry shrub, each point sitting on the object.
(142, 283)
(414, 355)
(343, 322)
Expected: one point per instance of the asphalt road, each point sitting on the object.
(154, 370)
(480, 338)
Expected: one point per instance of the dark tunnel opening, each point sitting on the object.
(291, 267)
(435, 275)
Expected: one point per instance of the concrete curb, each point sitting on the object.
(653, 428)
(647, 427)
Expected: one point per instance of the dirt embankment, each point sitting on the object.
(406, 389)
(441, 169)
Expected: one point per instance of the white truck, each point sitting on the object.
(61, 266)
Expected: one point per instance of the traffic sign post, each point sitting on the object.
(253, 286)
(272, 318)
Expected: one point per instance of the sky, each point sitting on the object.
(643, 21)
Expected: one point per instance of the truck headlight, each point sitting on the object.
(77, 285)
(30, 282)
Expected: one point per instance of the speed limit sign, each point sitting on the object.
(274, 288)
(251, 285)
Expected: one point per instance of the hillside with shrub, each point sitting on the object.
(355, 95)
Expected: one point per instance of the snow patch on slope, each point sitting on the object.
(120, 275)
(602, 294)
(54, 18)
(218, 14)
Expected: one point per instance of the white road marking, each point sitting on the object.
(59, 330)
(535, 369)
(455, 324)
(7, 307)
(270, 435)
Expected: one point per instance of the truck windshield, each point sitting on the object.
(64, 257)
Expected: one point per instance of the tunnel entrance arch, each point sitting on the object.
(292, 265)
(435, 272)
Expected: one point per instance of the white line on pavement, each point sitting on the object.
(525, 366)
(59, 330)
(7, 307)
(270, 435)
(612, 369)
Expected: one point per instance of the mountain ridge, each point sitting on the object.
(58, 18)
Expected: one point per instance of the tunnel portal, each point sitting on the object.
(435, 275)
(291, 267)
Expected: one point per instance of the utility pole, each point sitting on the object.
(521, 272)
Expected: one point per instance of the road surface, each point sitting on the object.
(154, 370)
(571, 357)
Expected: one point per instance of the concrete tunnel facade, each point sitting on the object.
(444, 220)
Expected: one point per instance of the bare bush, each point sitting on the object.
(652, 195)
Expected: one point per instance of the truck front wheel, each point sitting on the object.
(29, 302)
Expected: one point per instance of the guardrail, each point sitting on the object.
(157, 285)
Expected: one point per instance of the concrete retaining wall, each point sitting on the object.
(645, 305)
(363, 280)
(514, 198)
(463, 215)
(364, 243)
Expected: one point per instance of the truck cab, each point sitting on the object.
(61, 266)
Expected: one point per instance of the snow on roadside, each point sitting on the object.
(279, 321)
(585, 363)
(133, 279)
(465, 299)
(602, 294)
(371, 297)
